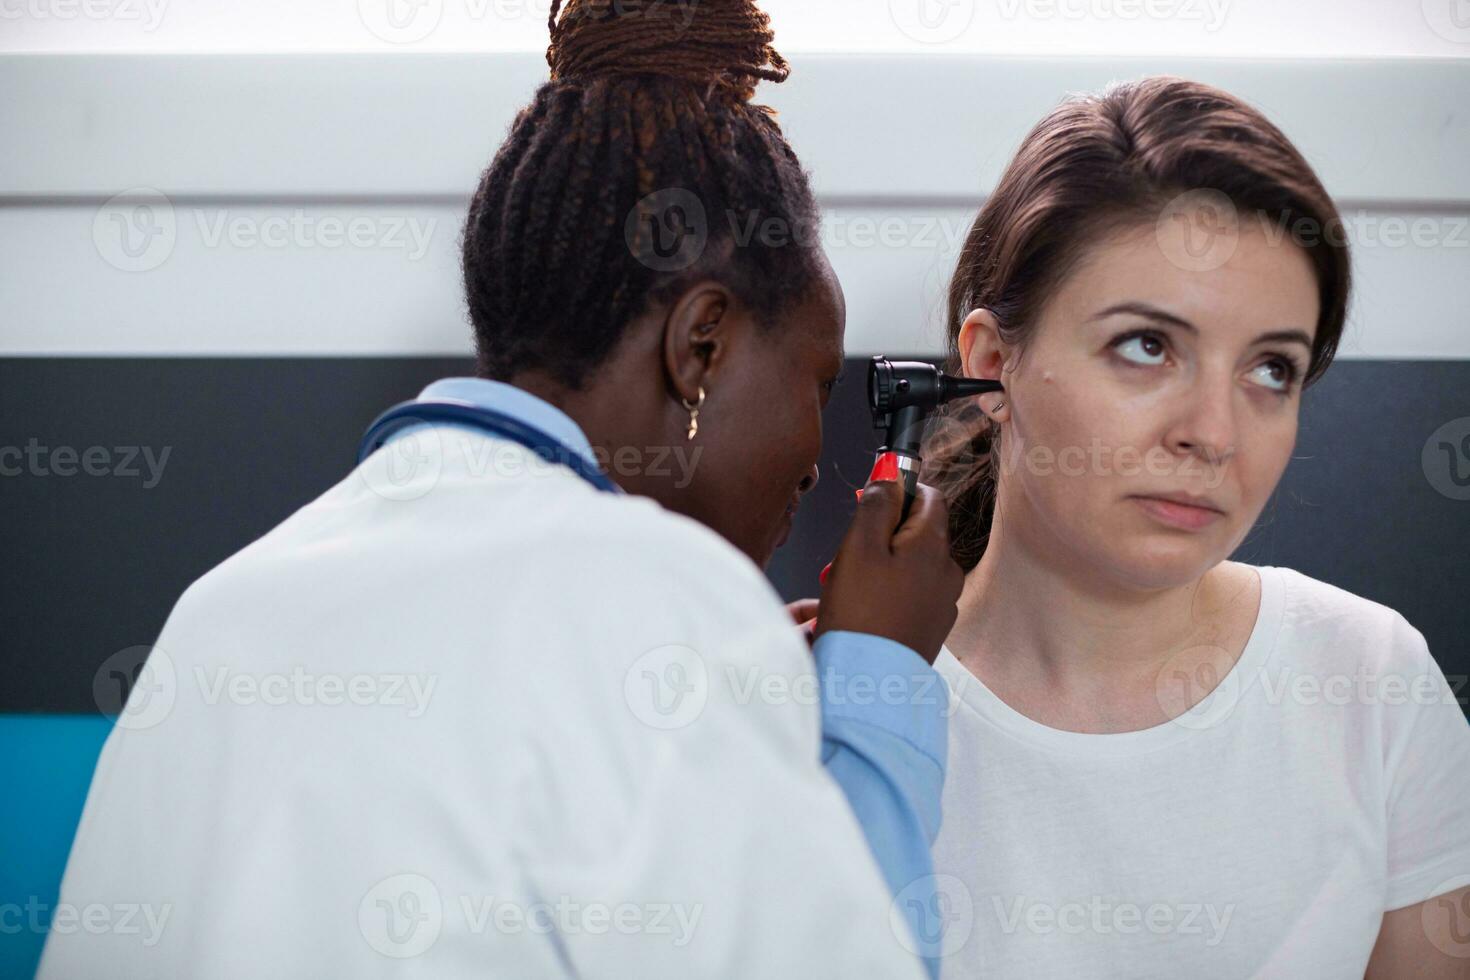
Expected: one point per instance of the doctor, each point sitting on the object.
(514, 699)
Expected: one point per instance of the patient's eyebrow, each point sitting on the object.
(1151, 312)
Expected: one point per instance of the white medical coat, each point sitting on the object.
(480, 720)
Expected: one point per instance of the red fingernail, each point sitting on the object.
(859, 493)
(884, 468)
(822, 578)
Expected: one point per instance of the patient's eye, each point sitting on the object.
(1276, 374)
(1140, 347)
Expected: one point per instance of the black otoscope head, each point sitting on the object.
(901, 394)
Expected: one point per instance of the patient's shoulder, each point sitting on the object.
(1328, 623)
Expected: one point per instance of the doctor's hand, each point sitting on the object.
(900, 584)
(803, 613)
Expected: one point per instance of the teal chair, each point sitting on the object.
(46, 764)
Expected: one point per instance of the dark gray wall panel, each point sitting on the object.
(90, 565)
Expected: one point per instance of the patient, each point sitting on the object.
(1164, 763)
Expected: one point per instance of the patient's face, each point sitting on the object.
(1125, 401)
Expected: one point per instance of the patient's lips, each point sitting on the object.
(1188, 512)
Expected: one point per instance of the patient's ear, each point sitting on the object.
(981, 351)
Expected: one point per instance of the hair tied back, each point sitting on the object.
(722, 44)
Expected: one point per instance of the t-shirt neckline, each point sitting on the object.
(1214, 711)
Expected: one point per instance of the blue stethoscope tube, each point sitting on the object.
(491, 422)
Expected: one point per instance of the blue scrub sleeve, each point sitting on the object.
(885, 738)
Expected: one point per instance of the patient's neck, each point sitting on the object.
(1068, 646)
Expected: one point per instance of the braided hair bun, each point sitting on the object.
(723, 42)
(644, 135)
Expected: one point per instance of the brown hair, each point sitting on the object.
(1097, 164)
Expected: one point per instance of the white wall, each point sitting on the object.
(1245, 28)
(311, 203)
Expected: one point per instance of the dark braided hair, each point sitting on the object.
(645, 128)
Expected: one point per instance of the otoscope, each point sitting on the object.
(901, 394)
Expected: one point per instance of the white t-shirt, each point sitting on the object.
(1263, 833)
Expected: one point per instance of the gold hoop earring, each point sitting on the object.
(693, 411)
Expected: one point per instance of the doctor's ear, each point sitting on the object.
(697, 336)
